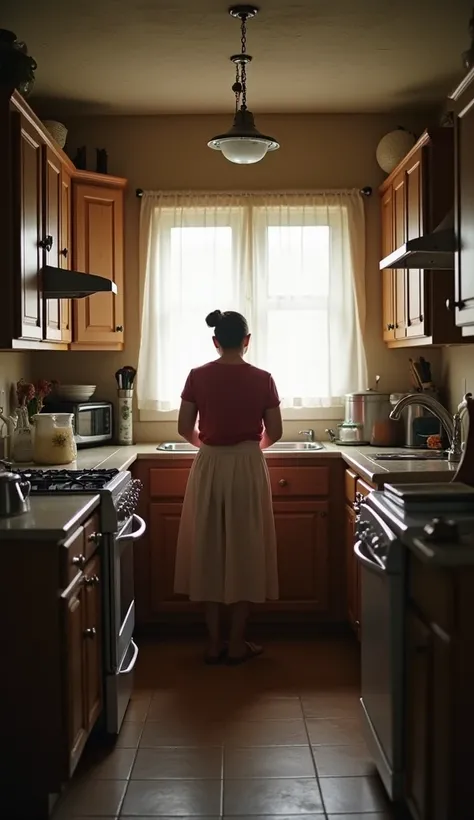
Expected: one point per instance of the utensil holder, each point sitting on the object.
(125, 415)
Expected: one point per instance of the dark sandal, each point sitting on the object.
(251, 651)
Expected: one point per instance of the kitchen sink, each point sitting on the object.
(280, 446)
(290, 446)
(433, 456)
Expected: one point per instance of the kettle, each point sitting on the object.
(14, 494)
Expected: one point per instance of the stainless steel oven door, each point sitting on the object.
(122, 609)
(382, 619)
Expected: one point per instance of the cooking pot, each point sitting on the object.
(366, 408)
(14, 494)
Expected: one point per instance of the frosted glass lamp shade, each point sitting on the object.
(243, 144)
(393, 147)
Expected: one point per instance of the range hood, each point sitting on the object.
(72, 284)
(435, 251)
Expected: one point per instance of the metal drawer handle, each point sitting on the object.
(96, 538)
(133, 661)
(79, 561)
(91, 580)
(90, 633)
(136, 534)
(283, 482)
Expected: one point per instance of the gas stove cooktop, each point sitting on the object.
(68, 481)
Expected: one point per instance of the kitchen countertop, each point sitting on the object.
(51, 518)
(359, 458)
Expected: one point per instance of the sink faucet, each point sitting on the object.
(451, 424)
(309, 434)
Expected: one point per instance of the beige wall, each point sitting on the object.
(458, 372)
(318, 151)
(13, 367)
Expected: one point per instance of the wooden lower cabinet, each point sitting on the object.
(302, 548)
(53, 694)
(352, 571)
(308, 528)
(439, 709)
(75, 672)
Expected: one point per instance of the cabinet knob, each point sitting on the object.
(90, 633)
(283, 482)
(323, 514)
(451, 304)
(64, 252)
(79, 561)
(95, 538)
(390, 326)
(119, 329)
(91, 580)
(46, 243)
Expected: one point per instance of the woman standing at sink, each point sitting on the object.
(226, 552)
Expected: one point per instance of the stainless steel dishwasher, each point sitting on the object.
(382, 572)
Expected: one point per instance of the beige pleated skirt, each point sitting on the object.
(226, 544)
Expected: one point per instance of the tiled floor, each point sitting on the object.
(279, 736)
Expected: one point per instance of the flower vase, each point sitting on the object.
(23, 437)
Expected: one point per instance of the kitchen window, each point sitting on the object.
(292, 263)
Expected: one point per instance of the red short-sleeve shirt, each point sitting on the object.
(231, 400)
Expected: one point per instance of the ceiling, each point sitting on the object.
(172, 56)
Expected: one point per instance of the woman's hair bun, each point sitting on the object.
(213, 319)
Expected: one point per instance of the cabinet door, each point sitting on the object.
(52, 231)
(164, 520)
(98, 249)
(399, 237)
(388, 276)
(415, 228)
(75, 672)
(352, 572)
(65, 251)
(419, 715)
(30, 228)
(464, 217)
(93, 640)
(302, 544)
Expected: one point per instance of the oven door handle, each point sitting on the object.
(133, 661)
(373, 565)
(135, 534)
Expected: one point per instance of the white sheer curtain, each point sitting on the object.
(293, 263)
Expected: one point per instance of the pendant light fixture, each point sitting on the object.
(243, 143)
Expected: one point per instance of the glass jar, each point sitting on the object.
(54, 441)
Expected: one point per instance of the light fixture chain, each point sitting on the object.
(243, 65)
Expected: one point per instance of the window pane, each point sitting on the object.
(200, 266)
(298, 260)
(298, 352)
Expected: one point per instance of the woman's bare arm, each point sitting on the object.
(273, 427)
(187, 423)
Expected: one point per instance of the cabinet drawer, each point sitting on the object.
(92, 536)
(168, 483)
(363, 488)
(73, 557)
(350, 484)
(289, 481)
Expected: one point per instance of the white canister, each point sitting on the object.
(125, 416)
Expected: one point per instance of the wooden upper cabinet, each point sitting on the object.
(415, 318)
(98, 249)
(400, 236)
(65, 250)
(52, 188)
(463, 99)
(28, 228)
(415, 198)
(388, 308)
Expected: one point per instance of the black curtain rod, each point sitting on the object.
(367, 191)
